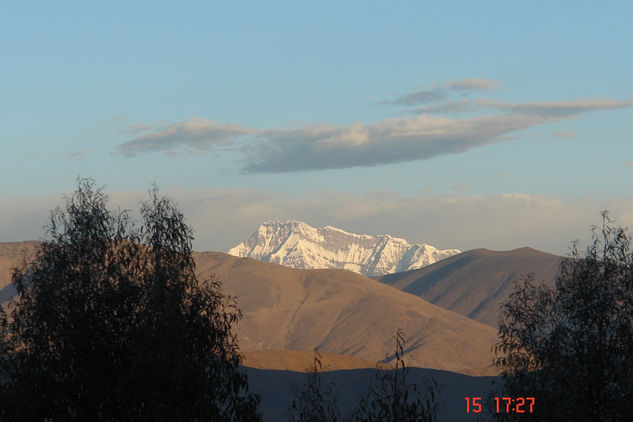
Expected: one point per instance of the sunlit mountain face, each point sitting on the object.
(298, 245)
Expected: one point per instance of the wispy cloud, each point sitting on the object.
(559, 109)
(418, 97)
(76, 154)
(443, 91)
(556, 108)
(461, 105)
(474, 84)
(390, 141)
(421, 136)
(566, 134)
(195, 134)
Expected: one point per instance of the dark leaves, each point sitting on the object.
(111, 323)
(314, 403)
(571, 346)
(392, 397)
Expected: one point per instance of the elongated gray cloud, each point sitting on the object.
(421, 136)
(555, 108)
(195, 134)
(390, 141)
(443, 91)
(461, 105)
(474, 84)
(76, 154)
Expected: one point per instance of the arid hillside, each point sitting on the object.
(475, 283)
(343, 312)
(336, 311)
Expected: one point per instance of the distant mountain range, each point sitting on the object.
(351, 319)
(335, 311)
(346, 313)
(298, 245)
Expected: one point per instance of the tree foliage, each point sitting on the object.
(314, 403)
(110, 323)
(393, 398)
(571, 346)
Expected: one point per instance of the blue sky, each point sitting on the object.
(460, 124)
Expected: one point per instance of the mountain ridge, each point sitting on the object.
(296, 244)
(476, 282)
(336, 311)
(344, 312)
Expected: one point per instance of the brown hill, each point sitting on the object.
(336, 311)
(474, 283)
(343, 312)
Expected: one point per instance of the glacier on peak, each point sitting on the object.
(298, 245)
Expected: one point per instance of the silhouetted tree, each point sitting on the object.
(110, 323)
(393, 398)
(314, 403)
(571, 347)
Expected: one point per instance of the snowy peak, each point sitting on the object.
(298, 245)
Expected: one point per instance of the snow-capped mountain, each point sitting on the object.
(298, 245)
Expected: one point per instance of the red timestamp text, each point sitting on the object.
(473, 404)
(502, 404)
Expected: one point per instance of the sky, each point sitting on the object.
(459, 124)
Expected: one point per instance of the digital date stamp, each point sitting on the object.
(502, 404)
